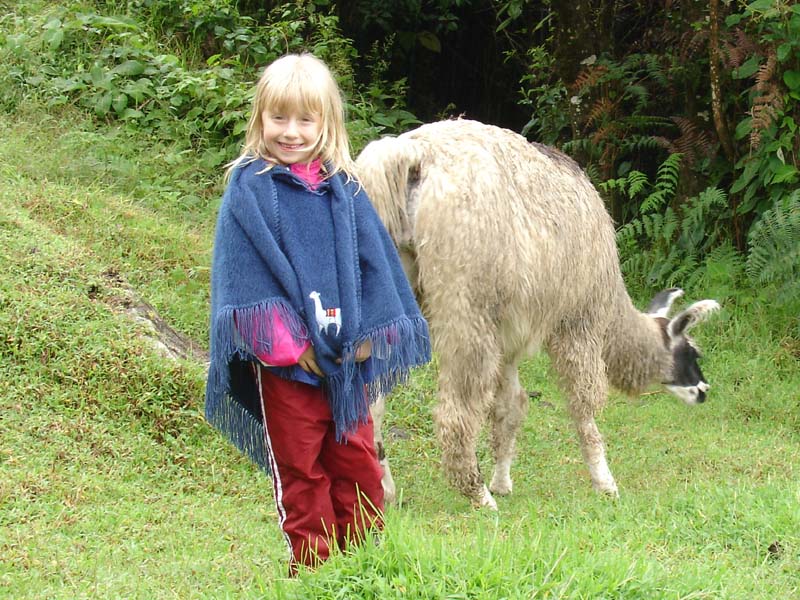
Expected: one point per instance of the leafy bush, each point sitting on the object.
(178, 70)
(668, 242)
(768, 168)
(773, 263)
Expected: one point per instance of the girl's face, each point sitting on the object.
(291, 136)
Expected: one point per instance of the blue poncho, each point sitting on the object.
(324, 264)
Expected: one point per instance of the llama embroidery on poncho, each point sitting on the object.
(326, 316)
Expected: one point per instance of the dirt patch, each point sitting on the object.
(166, 340)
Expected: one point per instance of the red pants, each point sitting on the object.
(327, 493)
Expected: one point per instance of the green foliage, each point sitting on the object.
(768, 170)
(609, 114)
(415, 23)
(379, 107)
(775, 243)
(773, 263)
(722, 276)
(667, 243)
(111, 483)
(624, 109)
(180, 70)
(546, 97)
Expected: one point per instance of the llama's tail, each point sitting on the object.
(388, 169)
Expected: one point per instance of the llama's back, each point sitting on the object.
(517, 224)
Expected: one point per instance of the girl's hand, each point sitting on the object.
(308, 362)
(363, 352)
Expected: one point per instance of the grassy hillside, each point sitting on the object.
(113, 486)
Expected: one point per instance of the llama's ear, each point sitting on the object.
(690, 317)
(660, 304)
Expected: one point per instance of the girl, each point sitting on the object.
(311, 314)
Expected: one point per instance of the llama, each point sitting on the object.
(326, 316)
(510, 250)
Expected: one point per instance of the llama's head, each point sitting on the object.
(686, 381)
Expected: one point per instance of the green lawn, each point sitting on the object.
(113, 486)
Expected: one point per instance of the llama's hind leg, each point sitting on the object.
(582, 372)
(458, 428)
(508, 413)
(378, 410)
(465, 391)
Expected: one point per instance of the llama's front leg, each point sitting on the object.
(577, 356)
(508, 413)
(378, 410)
(594, 455)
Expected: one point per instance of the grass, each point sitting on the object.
(113, 486)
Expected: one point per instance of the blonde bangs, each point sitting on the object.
(292, 91)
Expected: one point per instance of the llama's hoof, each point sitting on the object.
(501, 485)
(389, 495)
(487, 500)
(607, 488)
(387, 482)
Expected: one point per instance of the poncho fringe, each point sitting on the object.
(246, 431)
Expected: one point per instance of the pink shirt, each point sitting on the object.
(285, 350)
(311, 172)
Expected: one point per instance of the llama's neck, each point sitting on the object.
(635, 350)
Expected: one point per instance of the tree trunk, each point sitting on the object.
(716, 89)
(725, 140)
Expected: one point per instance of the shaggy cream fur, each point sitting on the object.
(511, 250)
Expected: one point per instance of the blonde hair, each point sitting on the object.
(305, 83)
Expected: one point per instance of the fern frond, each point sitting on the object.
(692, 43)
(670, 225)
(766, 72)
(693, 142)
(614, 185)
(700, 216)
(628, 235)
(683, 266)
(578, 146)
(726, 257)
(588, 77)
(602, 109)
(722, 271)
(640, 94)
(646, 122)
(767, 100)
(636, 144)
(739, 49)
(653, 225)
(669, 173)
(593, 173)
(655, 200)
(774, 244)
(765, 110)
(653, 64)
(636, 182)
